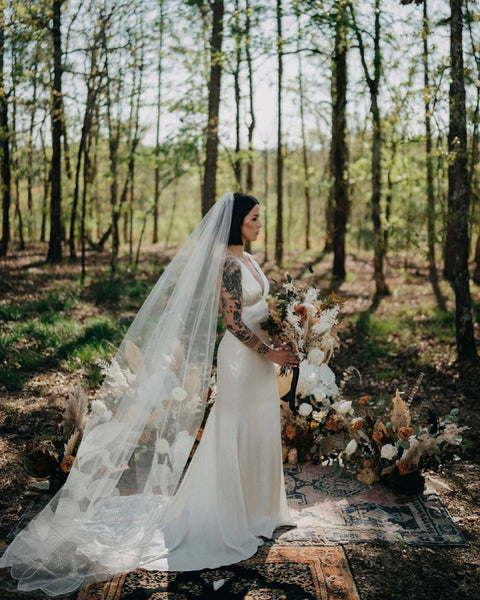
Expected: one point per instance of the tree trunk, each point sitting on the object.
(156, 195)
(46, 189)
(55, 242)
(265, 200)
(31, 211)
(381, 288)
(431, 235)
(306, 173)
(4, 144)
(458, 189)
(339, 150)
(251, 124)
(237, 38)
(209, 191)
(279, 226)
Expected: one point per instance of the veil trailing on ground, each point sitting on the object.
(107, 518)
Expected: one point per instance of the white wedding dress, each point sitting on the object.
(233, 491)
(231, 495)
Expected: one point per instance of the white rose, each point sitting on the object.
(319, 394)
(98, 408)
(388, 451)
(318, 415)
(343, 407)
(179, 394)
(351, 447)
(305, 409)
(100, 412)
(162, 446)
(316, 356)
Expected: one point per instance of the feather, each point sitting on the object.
(400, 415)
(135, 360)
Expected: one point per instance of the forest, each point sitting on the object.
(356, 124)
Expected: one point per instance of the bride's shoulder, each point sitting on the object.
(231, 263)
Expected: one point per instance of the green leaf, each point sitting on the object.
(405, 444)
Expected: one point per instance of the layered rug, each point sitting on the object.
(275, 572)
(330, 508)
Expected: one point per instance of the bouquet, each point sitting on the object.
(307, 325)
(304, 323)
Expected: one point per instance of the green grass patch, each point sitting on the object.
(372, 332)
(50, 305)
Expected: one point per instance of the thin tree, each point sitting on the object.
(237, 35)
(431, 234)
(279, 225)
(306, 167)
(156, 193)
(4, 141)
(339, 148)
(251, 111)
(55, 241)
(209, 191)
(458, 189)
(373, 83)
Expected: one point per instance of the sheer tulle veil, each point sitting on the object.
(140, 430)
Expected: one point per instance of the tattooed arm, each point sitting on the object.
(231, 301)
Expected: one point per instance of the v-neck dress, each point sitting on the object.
(233, 492)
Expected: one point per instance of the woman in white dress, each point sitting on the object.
(232, 493)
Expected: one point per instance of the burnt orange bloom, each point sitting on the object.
(377, 436)
(67, 463)
(405, 432)
(145, 437)
(404, 466)
(300, 310)
(290, 431)
(356, 426)
(363, 399)
(331, 424)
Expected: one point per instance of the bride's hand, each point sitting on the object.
(283, 357)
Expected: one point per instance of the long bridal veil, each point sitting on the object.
(140, 430)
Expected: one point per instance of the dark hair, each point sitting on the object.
(242, 205)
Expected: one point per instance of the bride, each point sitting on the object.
(128, 501)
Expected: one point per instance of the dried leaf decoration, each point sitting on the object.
(70, 446)
(400, 415)
(135, 360)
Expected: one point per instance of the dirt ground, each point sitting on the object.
(383, 571)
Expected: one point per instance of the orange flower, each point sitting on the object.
(404, 466)
(145, 437)
(377, 436)
(300, 310)
(356, 426)
(290, 431)
(67, 463)
(363, 399)
(405, 432)
(331, 424)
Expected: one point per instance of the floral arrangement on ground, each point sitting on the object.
(374, 437)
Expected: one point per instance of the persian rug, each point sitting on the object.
(275, 572)
(330, 508)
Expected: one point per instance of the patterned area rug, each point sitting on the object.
(329, 508)
(276, 572)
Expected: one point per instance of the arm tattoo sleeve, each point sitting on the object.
(231, 304)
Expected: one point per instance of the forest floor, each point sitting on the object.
(53, 330)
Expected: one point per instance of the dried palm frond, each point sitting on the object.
(135, 360)
(69, 448)
(400, 415)
(74, 416)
